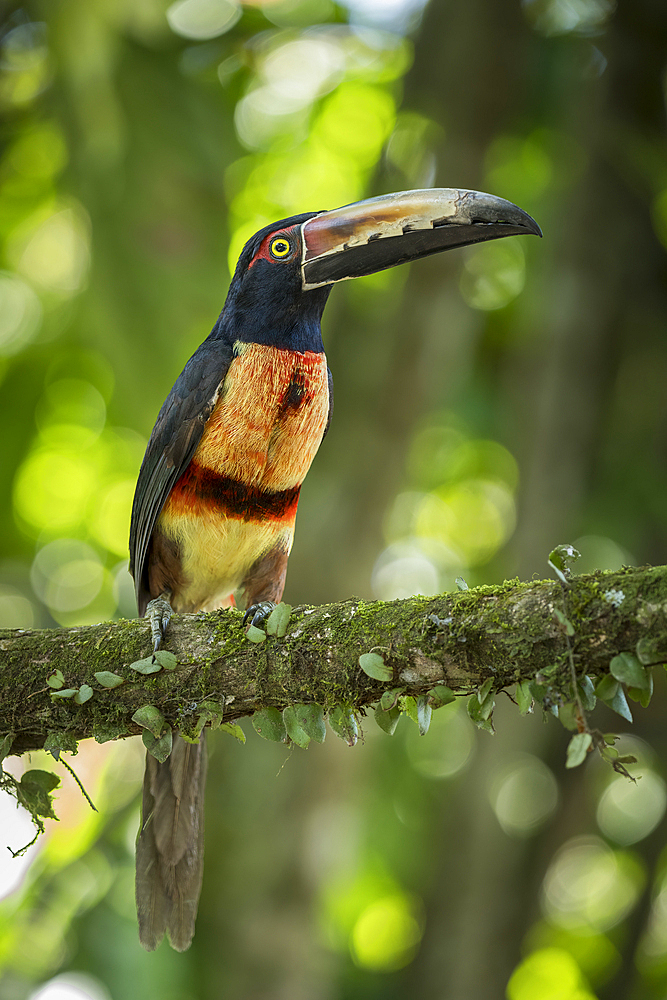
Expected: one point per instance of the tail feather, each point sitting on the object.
(170, 847)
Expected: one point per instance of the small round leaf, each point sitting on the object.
(84, 694)
(166, 659)
(151, 718)
(107, 679)
(148, 665)
(374, 666)
(269, 724)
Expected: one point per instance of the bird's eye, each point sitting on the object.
(280, 247)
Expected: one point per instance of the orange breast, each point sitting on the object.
(270, 418)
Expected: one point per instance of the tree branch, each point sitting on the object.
(506, 633)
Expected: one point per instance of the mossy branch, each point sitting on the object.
(502, 634)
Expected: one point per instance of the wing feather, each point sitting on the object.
(173, 442)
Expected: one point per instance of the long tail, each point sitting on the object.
(170, 846)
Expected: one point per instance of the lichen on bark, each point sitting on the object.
(506, 633)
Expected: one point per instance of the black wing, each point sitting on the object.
(173, 441)
(330, 413)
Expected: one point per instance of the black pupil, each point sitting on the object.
(280, 246)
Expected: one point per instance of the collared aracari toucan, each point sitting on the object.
(216, 499)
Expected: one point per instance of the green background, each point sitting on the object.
(490, 404)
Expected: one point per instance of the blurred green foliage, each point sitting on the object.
(489, 405)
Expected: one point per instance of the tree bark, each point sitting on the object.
(508, 633)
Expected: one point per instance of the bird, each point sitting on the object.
(216, 498)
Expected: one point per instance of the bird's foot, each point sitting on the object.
(257, 614)
(158, 611)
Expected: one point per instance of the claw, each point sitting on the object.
(258, 613)
(159, 611)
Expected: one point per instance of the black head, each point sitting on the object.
(266, 302)
(285, 272)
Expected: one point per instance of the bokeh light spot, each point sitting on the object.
(24, 61)
(72, 402)
(40, 152)
(53, 252)
(20, 313)
(386, 934)
(71, 986)
(474, 518)
(589, 884)
(202, 19)
(110, 522)
(560, 17)
(67, 574)
(548, 974)
(402, 570)
(628, 812)
(493, 275)
(53, 488)
(356, 119)
(16, 611)
(449, 747)
(523, 795)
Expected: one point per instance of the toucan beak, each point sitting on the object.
(378, 233)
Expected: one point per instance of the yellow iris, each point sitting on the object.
(280, 247)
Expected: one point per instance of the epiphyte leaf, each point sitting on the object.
(409, 705)
(480, 713)
(55, 680)
(149, 665)
(587, 692)
(254, 634)
(374, 666)
(211, 712)
(484, 689)
(34, 792)
(294, 730)
(387, 721)
(6, 746)
(151, 718)
(166, 659)
(344, 724)
(107, 679)
(233, 729)
(56, 741)
(278, 620)
(564, 621)
(577, 749)
(643, 696)
(560, 559)
(440, 695)
(160, 747)
(568, 716)
(626, 668)
(84, 694)
(650, 651)
(424, 712)
(611, 693)
(268, 723)
(524, 697)
(311, 719)
(390, 698)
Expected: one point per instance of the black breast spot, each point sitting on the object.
(294, 395)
